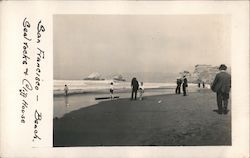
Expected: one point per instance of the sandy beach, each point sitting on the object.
(160, 120)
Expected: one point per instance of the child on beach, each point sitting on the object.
(66, 89)
(111, 90)
(141, 90)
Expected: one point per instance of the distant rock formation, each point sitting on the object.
(205, 73)
(202, 73)
(118, 78)
(94, 76)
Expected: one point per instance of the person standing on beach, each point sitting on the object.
(134, 86)
(222, 86)
(66, 89)
(178, 88)
(141, 90)
(203, 84)
(184, 85)
(111, 90)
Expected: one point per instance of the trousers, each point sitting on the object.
(178, 89)
(184, 88)
(222, 99)
(134, 94)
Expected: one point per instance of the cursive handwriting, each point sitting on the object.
(25, 53)
(38, 117)
(26, 26)
(40, 56)
(24, 106)
(32, 60)
(40, 28)
(26, 87)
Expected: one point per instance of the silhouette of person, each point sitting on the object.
(66, 89)
(222, 85)
(184, 85)
(134, 86)
(178, 88)
(141, 90)
(203, 84)
(111, 90)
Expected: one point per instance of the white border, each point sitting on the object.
(14, 140)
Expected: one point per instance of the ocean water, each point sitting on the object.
(85, 86)
(85, 93)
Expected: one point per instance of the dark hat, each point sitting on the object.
(222, 67)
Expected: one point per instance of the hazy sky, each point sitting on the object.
(111, 44)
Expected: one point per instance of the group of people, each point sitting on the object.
(221, 85)
(135, 86)
(203, 84)
(182, 82)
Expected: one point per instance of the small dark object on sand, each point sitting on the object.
(100, 98)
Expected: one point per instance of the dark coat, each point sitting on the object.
(222, 83)
(185, 82)
(134, 84)
(179, 82)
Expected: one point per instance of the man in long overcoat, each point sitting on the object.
(134, 86)
(222, 86)
(184, 85)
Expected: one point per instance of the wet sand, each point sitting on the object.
(64, 105)
(162, 120)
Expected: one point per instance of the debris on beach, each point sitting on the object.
(100, 98)
(159, 101)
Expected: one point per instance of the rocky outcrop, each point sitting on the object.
(94, 76)
(118, 78)
(204, 73)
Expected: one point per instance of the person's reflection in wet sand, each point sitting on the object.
(66, 101)
(67, 105)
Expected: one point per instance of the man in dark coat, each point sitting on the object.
(135, 86)
(178, 88)
(222, 86)
(184, 86)
(203, 84)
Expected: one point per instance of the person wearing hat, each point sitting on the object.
(134, 86)
(66, 89)
(178, 88)
(111, 90)
(222, 85)
(184, 85)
